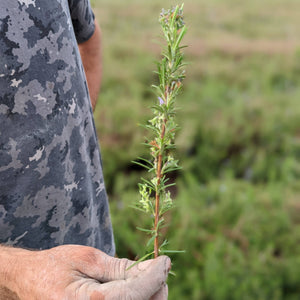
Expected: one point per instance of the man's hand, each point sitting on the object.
(91, 56)
(80, 272)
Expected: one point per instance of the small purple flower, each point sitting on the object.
(161, 101)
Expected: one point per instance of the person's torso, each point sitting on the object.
(51, 183)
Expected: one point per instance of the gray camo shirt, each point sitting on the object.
(51, 183)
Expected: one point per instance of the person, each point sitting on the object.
(52, 193)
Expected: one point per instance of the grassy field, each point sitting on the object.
(239, 144)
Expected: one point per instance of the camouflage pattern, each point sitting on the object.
(51, 183)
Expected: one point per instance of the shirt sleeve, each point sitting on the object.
(83, 19)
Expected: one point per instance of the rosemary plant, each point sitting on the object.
(155, 194)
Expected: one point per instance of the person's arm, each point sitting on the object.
(8, 271)
(79, 272)
(91, 56)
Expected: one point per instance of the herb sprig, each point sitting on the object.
(154, 192)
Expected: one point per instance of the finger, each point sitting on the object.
(162, 293)
(98, 265)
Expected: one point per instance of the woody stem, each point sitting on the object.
(157, 196)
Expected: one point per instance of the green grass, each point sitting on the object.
(239, 143)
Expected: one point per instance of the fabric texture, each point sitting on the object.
(52, 190)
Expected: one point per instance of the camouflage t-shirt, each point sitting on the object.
(51, 183)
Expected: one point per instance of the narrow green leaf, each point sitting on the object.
(145, 160)
(174, 16)
(144, 230)
(172, 169)
(142, 165)
(180, 36)
(137, 208)
(140, 260)
(169, 185)
(160, 222)
(150, 242)
(164, 243)
(149, 183)
(172, 251)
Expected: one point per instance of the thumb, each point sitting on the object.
(141, 282)
(107, 268)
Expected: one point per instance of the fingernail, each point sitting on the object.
(170, 264)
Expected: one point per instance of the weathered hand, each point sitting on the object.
(81, 273)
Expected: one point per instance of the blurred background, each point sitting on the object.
(238, 195)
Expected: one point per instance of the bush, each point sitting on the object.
(241, 241)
